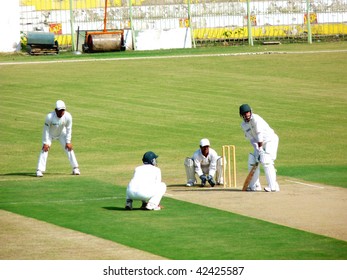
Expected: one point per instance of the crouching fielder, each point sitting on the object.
(205, 163)
(265, 143)
(146, 184)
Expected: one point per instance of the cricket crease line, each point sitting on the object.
(62, 201)
(309, 185)
(168, 194)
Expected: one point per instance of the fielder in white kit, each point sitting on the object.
(265, 143)
(146, 184)
(206, 164)
(58, 126)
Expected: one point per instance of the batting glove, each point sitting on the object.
(261, 155)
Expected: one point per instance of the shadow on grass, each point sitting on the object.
(112, 208)
(33, 174)
(28, 174)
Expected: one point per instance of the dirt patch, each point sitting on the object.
(24, 238)
(311, 207)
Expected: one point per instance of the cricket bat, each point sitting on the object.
(249, 177)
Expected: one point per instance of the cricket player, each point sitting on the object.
(146, 184)
(58, 126)
(265, 143)
(206, 164)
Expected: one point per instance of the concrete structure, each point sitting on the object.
(10, 27)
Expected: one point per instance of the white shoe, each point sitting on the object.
(257, 188)
(76, 171)
(268, 189)
(190, 184)
(39, 173)
(152, 206)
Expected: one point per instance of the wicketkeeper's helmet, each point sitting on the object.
(149, 158)
(244, 108)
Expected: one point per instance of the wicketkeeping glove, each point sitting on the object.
(210, 180)
(203, 180)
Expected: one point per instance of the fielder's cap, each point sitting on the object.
(204, 142)
(60, 105)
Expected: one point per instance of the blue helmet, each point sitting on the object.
(244, 108)
(149, 158)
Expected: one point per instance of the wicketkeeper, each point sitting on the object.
(205, 163)
(265, 143)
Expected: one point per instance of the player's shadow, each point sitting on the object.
(30, 174)
(208, 189)
(113, 208)
(184, 188)
(27, 174)
(176, 185)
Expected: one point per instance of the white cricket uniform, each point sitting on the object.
(146, 184)
(258, 130)
(205, 165)
(199, 164)
(57, 129)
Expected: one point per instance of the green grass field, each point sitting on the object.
(122, 108)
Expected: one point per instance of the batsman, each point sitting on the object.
(265, 143)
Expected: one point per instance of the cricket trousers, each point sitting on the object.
(42, 162)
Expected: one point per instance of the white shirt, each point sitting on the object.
(55, 127)
(202, 163)
(145, 176)
(257, 130)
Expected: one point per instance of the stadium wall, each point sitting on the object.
(203, 21)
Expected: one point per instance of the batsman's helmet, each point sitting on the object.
(244, 108)
(149, 158)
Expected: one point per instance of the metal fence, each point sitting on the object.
(209, 21)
